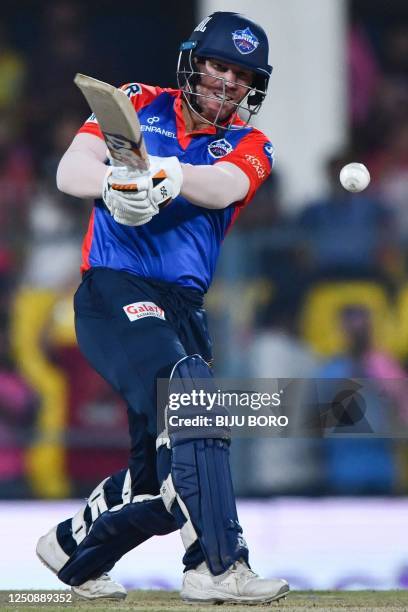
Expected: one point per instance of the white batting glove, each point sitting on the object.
(134, 200)
(126, 202)
(164, 181)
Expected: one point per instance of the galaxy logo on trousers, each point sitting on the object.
(141, 310)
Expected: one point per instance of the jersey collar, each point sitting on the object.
(184, 137)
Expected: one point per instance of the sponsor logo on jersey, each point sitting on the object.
(219, 148)
(269, 152)
(141, 310)
(245, 41)
(257, 164)
(133, 89)
(156, 129)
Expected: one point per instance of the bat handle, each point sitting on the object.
(119, 171)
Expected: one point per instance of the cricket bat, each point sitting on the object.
(118, 121)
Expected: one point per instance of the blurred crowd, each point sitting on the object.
(321, 294)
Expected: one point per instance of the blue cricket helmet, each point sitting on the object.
(233, 38)
(236, 39)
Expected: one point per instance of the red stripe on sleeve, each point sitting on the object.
(249, 155)
(91, 127)
(87, 243)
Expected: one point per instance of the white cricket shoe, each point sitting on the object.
(52, 555)
(238, 584)
(100, 588)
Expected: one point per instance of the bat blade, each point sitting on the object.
(118, 121)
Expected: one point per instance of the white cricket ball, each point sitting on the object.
(354, 177)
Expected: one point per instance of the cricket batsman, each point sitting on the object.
(148, 259)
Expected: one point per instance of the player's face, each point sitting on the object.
(237, 81)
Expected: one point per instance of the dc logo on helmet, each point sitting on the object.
(219, 148)
(245, 41)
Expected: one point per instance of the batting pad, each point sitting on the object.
(202, 479)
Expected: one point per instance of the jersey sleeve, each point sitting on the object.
(140, 95)
(254, 155)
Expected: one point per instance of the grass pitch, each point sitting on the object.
(161, 601)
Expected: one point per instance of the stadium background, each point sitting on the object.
(312, 281)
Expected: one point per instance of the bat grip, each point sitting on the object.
(121, 172)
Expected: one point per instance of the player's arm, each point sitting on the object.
(215, 186)
(232, 180)
(82, 172)
(244, 169)
(82, 169)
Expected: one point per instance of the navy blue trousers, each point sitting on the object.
(133, 331)
(131, 355)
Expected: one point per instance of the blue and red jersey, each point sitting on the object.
(181, 244)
